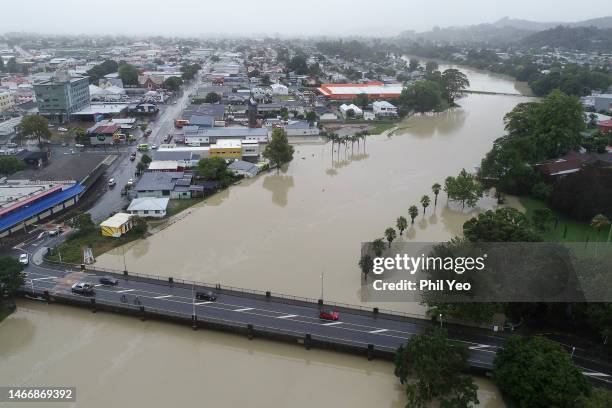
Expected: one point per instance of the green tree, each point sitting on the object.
(128, 74)
(422, 96)
(599, 398)
(437, 366)
(146, 159)
(378, 246)
(35, 127)
(401, 224)
(2, 67)
(502, 225)
(413, 64)
(390, 235)
(139, 226)
(11, 276)
(538, 373)
(425, 202)
(436, 190)
(361, 100)
(10, 165)
(173, 83)
(541, 218)
(11, 66)
(81, 136)
(413, 211)
(82, 224)
(213, 169)
(366, 263)
(431, 66)
(454, 83)
(278, 151)
(311, 117)
(140, 167)
(463, 188)
(599, 222)
(298, 65)
(212, 97)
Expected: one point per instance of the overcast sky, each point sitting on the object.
(306, 17)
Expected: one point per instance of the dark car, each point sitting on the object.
(208, 296)
(328, 314)
(109, 280)
(83, 288)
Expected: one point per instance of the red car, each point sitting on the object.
(328, 314)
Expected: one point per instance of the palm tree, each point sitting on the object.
(390, 235)
(599, 222)
(366, 263)
(436, 190)
(425, 202)
(378, 246)
(402, 224)
(413, 211)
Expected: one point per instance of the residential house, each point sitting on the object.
(149, 207)
(117, 225)
(384, 109)
(279, 89)
(173, 185)
(243, 168)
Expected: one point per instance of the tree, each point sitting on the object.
(35, 127)
(425, 202)
(366, 263)
(11, 66)
(502, 225)
(311, 117)
(401, 224)
(139, 226)
(422, 96)
(390, 235)
(454, 83)
(146, 159)
(431, 66)
(11, 276)
(361, 100)
(278, 151)
(173, 83)
(378, 246)
(81, 136)
(436, 190)
(2, 67)
(212, 97)
(213, 169)
(128, 74)
(82, 224)
(10, 165)
(599, 398)
(541, 218)
(437, 366)
(463, 188)
(413, 64)
(414, 212)
(140, 167)
(298, 65)
(538, 373)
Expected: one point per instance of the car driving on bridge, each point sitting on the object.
(329, 314)
(109, 280)
(206, 295)
(83, 288)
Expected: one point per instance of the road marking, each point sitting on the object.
(162, 297)
(48, 277)
(203, 303)
(331, 324)
(126, 290)
(478, 347)
(98, 284)
(243, 309)
(378, 331)
(595, 374)
(286, 316)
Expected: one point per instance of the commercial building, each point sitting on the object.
(24, 202)
(7, 102)
(211, 135)
(61, 96)
(117, 225)
(374, 91)
(226, 148)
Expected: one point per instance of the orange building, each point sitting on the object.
(374, 91)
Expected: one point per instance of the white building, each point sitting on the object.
(279, 89)
(149, 207)
(357, 111)
(7, 102)
(384, 108)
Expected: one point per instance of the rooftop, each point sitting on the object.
(148, 204)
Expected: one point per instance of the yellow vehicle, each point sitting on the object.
(143, 147)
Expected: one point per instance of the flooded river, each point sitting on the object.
(118, 361)
(277, 232)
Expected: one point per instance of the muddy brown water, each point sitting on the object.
(277, 232)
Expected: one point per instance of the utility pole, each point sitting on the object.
(322, 274)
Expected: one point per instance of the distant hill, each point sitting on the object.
(504, 31)
(573, 38)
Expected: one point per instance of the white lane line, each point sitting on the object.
(203, 303)
(162, 297)
(98, 284)
(243, 309)
(48, 277)
(331, 324)
(480, 346)
(126, 290)
(378, 331)
(286, 316)
(595, 374)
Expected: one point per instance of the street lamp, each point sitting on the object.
(440, 319)
(322, 274)
(573, 350)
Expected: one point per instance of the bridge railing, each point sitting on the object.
(239, 290)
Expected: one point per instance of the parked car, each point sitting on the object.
(111, 182)
(130, 182)
(329, 314)
(109, 280)
(207, 296)
(54, 232)
(148, 132)
(83, 288)
(24, 259)
(153, 146)
(62, 129)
